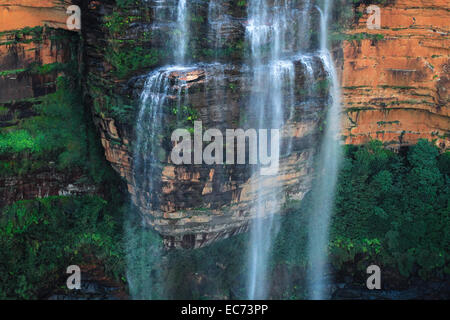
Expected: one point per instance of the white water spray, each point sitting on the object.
(272, 34)
(182, 36)
(144, 251)
(327, 173)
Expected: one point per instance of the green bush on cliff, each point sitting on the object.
(60, 126)
(17, 141)
(58, 133)
(127, 60)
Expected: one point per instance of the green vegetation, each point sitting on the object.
(382, 123)
(354, 87)
(40, 238)
(47, 68)
(394, 209)
(391, 209)
(396, 87)
(56, 132)
(127, 3)
(107, 103)
(10, 72)
(59, 132)
(25, 35)
(124, 54)
(369, 2)
(186, 115)
(117, 23)
(357, 36)
(17, 141)
(128, 60)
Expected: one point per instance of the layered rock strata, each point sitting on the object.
(396, 79)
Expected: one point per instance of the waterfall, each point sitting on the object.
(182, 33)
(143, 246)
(272, 33)
(140, 253)
(216, 21)
(144, 250)
(278, 37)
(305, 21)
(327, 171)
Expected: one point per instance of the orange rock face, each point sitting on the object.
(19, 51)
(18, 14)
(396, 86)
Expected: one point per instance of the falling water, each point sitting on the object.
(277, 34)
(143, 248)
(140, 253)
(182, 34)
(272, 34)
(217, 19)
(265, 228)
(305, 21)
(327, 169)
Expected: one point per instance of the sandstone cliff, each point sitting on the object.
(196, 204)
(396, 79)
(395, 84)
(34, 52)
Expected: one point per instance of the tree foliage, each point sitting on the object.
(394, 208)
(40, 238)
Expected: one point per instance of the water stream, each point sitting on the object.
(327, 172)
(275, 37)
(182, 33)
(144, 252)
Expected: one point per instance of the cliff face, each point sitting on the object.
(202, 203)
(24, 43)
(197, 204)
(18, 14)
(396, 82)
(395, 88)
(34, 52)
